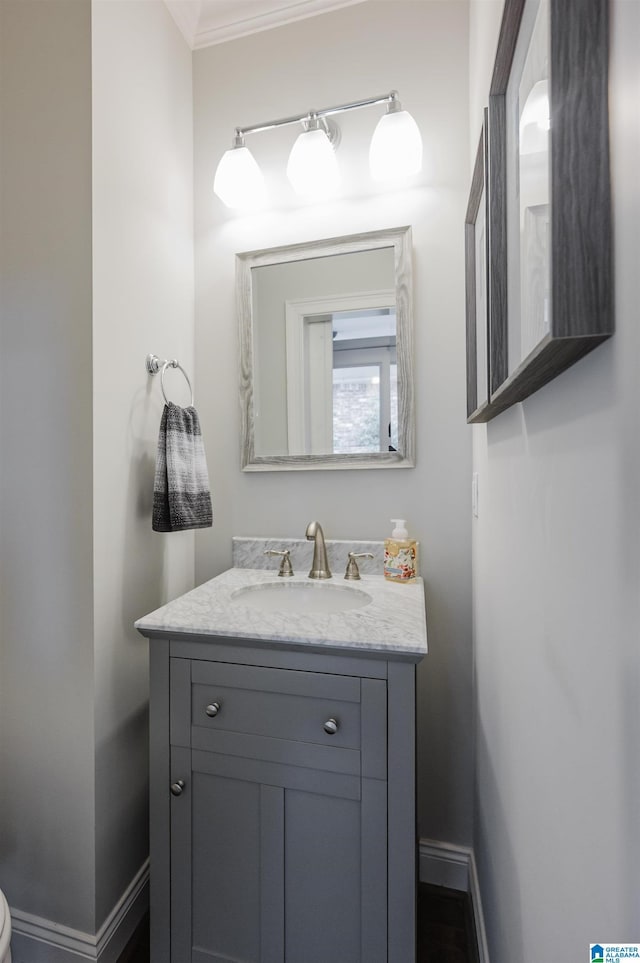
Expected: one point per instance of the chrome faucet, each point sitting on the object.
(320, 565)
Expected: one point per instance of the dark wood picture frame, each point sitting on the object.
(579, 249)
(477, 314)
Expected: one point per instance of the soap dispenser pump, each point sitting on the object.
(400, 554)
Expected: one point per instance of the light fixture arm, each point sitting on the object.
(391, 99)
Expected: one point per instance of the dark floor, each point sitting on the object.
(445, 929)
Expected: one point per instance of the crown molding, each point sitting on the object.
(204, 23)
(186, 14)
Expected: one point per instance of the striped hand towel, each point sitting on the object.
(181, 497)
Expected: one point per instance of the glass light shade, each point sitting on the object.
(312, 168)
(239, 182)
(396, 147)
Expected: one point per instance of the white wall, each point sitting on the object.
(484, 25)
(557, 607)
(142, 302)
(360, 51)
(94, 276)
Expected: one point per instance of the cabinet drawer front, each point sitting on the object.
(275, 714)
(277, 703)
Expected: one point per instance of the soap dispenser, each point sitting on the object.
(400, 554)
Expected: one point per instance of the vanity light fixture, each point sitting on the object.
(239, 182)
(312, 169)
(396, 145)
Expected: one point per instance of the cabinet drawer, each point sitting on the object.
(275, 703)
(278, 716)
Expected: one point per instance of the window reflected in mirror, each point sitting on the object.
(365, 381)
(347, 401)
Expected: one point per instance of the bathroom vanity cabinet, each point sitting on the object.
(282, 801)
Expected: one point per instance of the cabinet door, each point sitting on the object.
(276, 864)
(335, 877)
(226, 868)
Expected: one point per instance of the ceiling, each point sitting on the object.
(207, 22)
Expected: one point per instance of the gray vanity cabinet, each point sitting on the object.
(271, 802)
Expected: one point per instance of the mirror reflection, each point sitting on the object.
(528, 181)
(364, 381)
(325, 349)
(326, 346)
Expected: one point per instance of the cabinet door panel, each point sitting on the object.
(301, 754)
(322, 878)
(227, 871)
(274, 774)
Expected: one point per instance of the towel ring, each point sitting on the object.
(153, 366)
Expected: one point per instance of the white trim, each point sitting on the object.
(220, 32)
(37, 939)
(478, 915)
(186, 14)
(443, 864)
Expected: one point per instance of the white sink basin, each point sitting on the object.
(300, 597)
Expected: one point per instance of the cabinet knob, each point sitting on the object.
(213, 709)
(331, 727)
(177, 787)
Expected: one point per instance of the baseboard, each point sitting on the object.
(38, 940)
(443, 864)
(478, 915)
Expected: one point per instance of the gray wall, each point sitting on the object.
(420, 49)
(96, 271)
(46, 511)
(142, 302)
(556, 585)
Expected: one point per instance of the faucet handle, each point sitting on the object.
(353, 572)
(285, 564)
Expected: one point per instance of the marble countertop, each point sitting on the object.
(392, 622)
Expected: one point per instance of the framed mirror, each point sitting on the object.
(326, 354)
(476, 287)
(550, 225)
